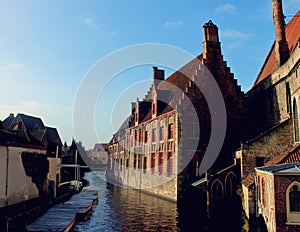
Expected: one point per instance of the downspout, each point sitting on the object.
(256, 197)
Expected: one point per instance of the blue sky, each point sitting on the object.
(47, 48)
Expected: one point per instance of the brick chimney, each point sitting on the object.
(281, 46)
(211, 44)
(158, 74)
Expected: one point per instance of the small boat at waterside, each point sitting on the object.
(61, 217)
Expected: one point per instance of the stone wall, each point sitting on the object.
(269, 145)
(269, 103)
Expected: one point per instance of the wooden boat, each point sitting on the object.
(70, 225)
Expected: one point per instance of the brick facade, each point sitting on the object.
(273, 198)
(188, 108)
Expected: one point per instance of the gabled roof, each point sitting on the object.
(31, 123)
(53, 136)
(293, 155)
(8, 121)
(180, 78)
(290, 157)
(14, 140)
(101, 146)
(38, 134)
(249, 180)
(292, 31)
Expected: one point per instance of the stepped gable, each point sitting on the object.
(292, 31)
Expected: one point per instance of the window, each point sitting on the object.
(146, 137)
(217, 190)
(153, 108)
(161, 133)
(230, 185)
(288, 98)
(136, 138)
(296, 122)
(127, 163)
(135, 161)
(293, 202)
(152, 163)
(170, 164)
(139, 162)
(154, 135)
(122, 143)
(170, 131)
(145, 165)
(160, 164)
(263, 191)
(260, 161)
(140, 136)
(295, 199)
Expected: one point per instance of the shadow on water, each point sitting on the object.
(223, 214)
(123, 209)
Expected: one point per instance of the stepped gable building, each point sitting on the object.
(151, 147)
(273, 124)
(33, 130)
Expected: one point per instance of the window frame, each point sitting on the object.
(293, 217)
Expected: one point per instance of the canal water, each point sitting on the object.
(123, 209)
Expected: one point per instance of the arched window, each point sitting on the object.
(294, 196)
(293, 202)
(230, 185)
(288, 98)
(263, 191)
(217, 190)
(296, 122)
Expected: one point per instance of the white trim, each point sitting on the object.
(290, 216)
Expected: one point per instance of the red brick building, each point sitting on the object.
(154, 143)
(278, 196)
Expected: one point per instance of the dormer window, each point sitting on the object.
(36, 127)
(153, 108)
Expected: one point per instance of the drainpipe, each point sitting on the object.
(6, 180)
(256, 196)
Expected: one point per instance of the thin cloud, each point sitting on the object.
(227, 8)
(89, 21)
(14, 65)
(112, 33)
(236, 34)
(173, 25)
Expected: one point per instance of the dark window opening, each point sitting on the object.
(260, 161)
(294, 199)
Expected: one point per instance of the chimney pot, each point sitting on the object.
(158, 74)
(281, 45)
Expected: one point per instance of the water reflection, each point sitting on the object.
(123, 209)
